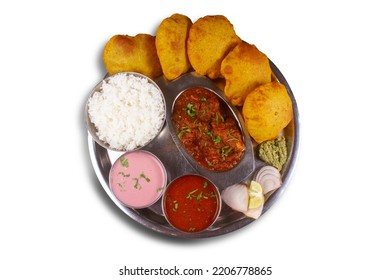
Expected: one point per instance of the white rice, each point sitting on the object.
(128, 111)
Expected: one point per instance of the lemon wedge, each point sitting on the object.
(256, 196)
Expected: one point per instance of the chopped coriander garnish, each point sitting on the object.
(124, 174)
(145, 177)
(121, 187)
(175, 206)
(209, 163)
(219, 117)
(183, 131)
(232, 139)
(217, 139)
(225, 151)
(190, 110)
(136, 185)
(191, 194)
(124, 162)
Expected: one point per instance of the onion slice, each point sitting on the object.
(236, 197)
(269, 178)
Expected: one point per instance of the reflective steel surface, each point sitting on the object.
(167, 147)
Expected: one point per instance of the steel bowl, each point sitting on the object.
(193, 197)
(93, 130)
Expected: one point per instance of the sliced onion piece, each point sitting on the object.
(269, 178)
(236, 197)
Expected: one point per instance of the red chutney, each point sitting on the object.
(191, 203)
(209, 134)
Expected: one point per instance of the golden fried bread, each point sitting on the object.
(124, 53)
(267, 110)
(210, 38)
(171, 38)
(244, 68)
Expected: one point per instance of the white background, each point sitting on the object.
(332, 222)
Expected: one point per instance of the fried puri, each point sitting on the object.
(244, 68)
(210, 38)
(267, 110)
(124, 53)
(171, 38)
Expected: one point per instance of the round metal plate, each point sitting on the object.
(178, 163)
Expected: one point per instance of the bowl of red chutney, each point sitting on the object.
(191, 203)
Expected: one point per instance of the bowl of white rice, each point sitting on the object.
(125, 111)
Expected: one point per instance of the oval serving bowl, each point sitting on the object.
(246, 165)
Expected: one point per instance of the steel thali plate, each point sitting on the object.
(177, 163)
